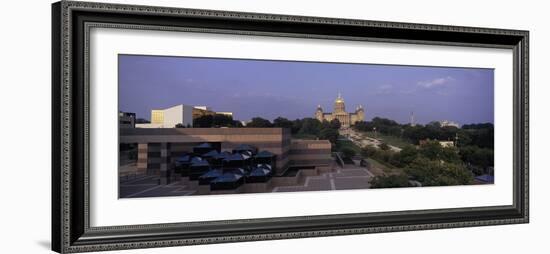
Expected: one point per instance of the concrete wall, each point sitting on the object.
(173, 116)
(274, 140)
(178, 114)
(310, 153)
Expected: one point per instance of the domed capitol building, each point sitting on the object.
(346, 119)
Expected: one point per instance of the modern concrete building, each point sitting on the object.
(230, 114)
(170, 117)
(447, 143)
(158, 148)
(179, 114)
(346, 119)
(199, 111)
(126, 119)
(205, 108)
(307, 153)
(442, 143)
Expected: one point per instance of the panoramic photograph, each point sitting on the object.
(206, 126)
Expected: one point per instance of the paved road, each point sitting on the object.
(148, 186)
(362, 140)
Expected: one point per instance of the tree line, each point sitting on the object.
(305, 126)
(430, 164)
(481, 135)
(474, 142)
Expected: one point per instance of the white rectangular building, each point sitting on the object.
(170, 117)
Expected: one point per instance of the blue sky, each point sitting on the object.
(269, 89)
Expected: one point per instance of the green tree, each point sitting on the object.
(391, 181)
(437, 173)
(431, 150)
(325, 124)
(430, 131)
(310, 126)
(478, 126)
(406, 155)
(482, 157)
(484, 138)
(335, 124)
(205, 121)
(463, 138)
(237, 123)
(282, 123)
(386, 126)
(362, 126)
(434, 151)
(216, 120)
(296, 126)
(395, 131)
(369, 151)
(434, 124)
(329, 134)
(386, 156)
(481, 135)
(347, 153)
(448, 133)
(258, 122)
(219, 120)
(379, 121)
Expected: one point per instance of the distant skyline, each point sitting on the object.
(289, 89)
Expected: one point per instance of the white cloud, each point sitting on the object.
(384, 89)
(435, 82)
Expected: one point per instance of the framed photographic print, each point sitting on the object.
(181, 126)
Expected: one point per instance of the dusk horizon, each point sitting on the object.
(291, 89)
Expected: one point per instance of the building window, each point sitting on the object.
(157, 116)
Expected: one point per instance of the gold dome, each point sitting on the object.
(339, 99)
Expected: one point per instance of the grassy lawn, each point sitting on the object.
(380, 168)
(341, 144)
(390, 140)
(377, 167)
(377, 164)
(394, 171)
